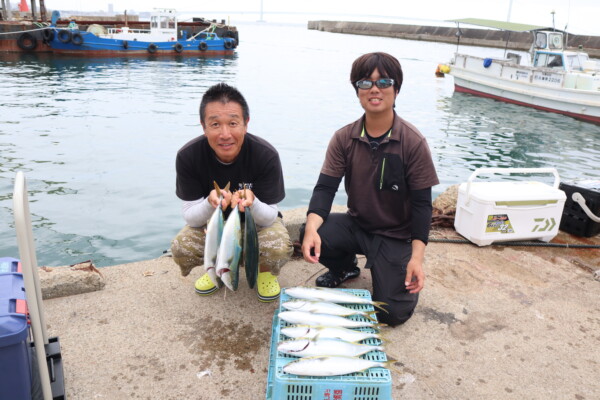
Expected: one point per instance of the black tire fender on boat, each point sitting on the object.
(228, 44)
(48, 35)
(27, 41)
(77, 39)
(125, 44)
(203, 46)
(152, 48)
(178, 47)
(64, 36)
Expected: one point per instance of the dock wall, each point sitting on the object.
(469, 36)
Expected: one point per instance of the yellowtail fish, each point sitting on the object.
(302, 317)
(250, 248)
(214, 230)
(328, 332)
(331, 295)
(324, 347)
(230, 251)
(331, 365)
(324, 307)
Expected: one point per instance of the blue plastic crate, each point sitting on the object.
(9, 264)
(372, 384)
(15, 362)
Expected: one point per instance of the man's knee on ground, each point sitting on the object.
(395, 318)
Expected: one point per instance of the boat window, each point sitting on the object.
(171, 23)
(574, 62)
(153, 22)
(541, 60)
(540, 40)
(555, 40)
(555, 61)
(164, 22)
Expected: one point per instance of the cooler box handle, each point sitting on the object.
(480, 171)
(579, 199)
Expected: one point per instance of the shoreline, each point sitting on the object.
(470, 36)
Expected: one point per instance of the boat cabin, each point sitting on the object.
(548, 51)
(163, 28)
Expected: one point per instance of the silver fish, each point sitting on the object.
(328, 332)
(331, 365)
(324, 347)
(330, 295)
(214, 230)
(324, 307)
(230, 251)
(302, 317)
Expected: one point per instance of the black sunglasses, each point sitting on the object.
(382, 83)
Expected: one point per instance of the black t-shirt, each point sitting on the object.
(257, 166)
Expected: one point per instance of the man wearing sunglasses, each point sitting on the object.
(388, 174)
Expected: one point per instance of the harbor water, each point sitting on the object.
(97, 138)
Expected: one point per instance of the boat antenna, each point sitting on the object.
(509, 11)
(458, 34)
(553, 12)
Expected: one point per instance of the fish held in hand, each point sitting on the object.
(230, 251)
(331, 295)
(331, 365)
(214, 231)
(324, 347)
(250, 248)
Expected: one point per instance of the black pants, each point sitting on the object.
(342, 239)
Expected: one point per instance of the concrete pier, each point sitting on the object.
(469, 36)
(493, 322)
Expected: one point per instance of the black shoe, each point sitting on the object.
(332, 279)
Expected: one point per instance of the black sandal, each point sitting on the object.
(332, 279)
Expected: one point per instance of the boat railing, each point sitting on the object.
(124, 29)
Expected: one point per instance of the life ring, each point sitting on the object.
(48, 35)
(125, 44)
(77, 39)
(27, 41)
(64, 36)
(228, 45)
(203, 46)
(152, 48)
(178, 47)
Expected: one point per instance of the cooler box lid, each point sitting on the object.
(514, 193)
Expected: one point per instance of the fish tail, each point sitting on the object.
(380, 304)
(370, 317)
(391, 365)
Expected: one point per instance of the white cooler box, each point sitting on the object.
(488, 212)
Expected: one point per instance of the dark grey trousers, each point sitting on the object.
(342, 239)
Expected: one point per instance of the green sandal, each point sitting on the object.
(268, 287)
(204, 286)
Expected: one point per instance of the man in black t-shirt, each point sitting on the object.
(227, 153)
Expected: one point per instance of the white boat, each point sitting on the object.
(554, 79)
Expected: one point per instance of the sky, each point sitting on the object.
(579, 16)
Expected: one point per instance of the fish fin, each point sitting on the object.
(217, 188)
(380, 304)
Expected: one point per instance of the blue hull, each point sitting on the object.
(75, 42)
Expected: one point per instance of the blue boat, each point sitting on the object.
(162, 38)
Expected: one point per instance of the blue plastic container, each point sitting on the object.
(15, 361)
(372, 384)
(9, 264)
